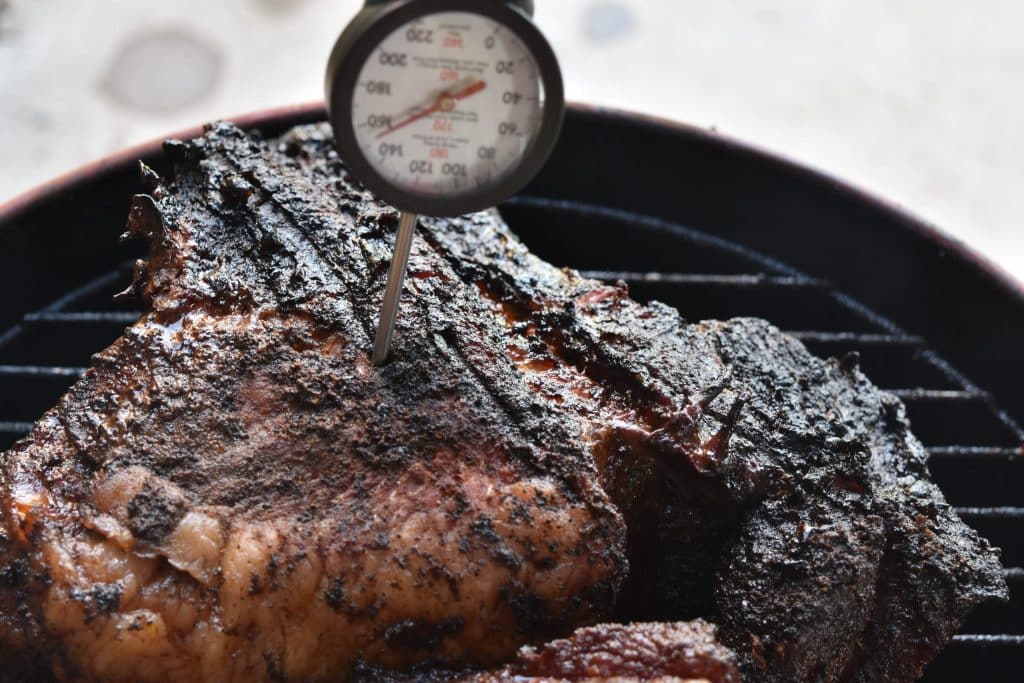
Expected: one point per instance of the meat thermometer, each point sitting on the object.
(441, 108)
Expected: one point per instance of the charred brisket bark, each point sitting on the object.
(232, 492)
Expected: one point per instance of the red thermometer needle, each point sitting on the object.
(445, 102)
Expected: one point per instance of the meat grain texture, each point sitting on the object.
(233, 493)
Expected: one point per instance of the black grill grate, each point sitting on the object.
(975, 447)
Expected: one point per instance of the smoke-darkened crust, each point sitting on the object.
(233, 493)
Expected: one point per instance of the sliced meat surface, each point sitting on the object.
(233, 492)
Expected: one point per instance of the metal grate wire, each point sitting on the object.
(990, 450)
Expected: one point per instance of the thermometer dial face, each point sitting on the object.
(447, 104)
(444, 107)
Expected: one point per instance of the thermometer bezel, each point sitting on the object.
(368, 30)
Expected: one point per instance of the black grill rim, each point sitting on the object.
(118, 176)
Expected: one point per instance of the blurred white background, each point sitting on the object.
(916, 100)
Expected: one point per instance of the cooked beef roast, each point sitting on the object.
(683, 652)
(233, 493)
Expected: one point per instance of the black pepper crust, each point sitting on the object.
(541, 453)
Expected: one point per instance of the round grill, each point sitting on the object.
(708, 226)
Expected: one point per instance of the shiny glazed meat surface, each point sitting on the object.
(233, 493)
